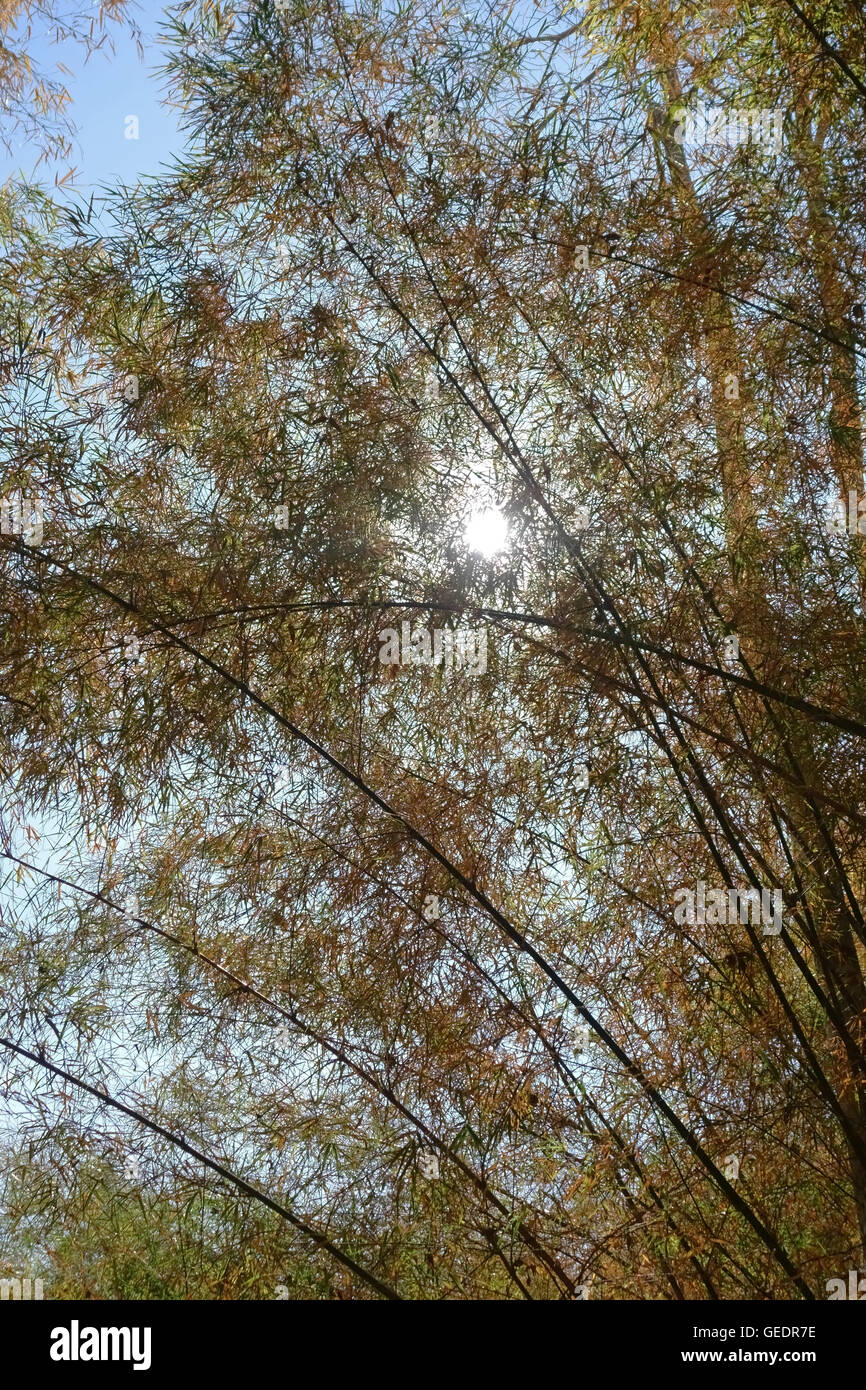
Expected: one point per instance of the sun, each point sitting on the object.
(487, 532)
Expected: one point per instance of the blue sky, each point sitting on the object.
(106, 88)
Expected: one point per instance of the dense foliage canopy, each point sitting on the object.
(328, 977)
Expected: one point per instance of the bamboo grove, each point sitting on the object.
(326, 976)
